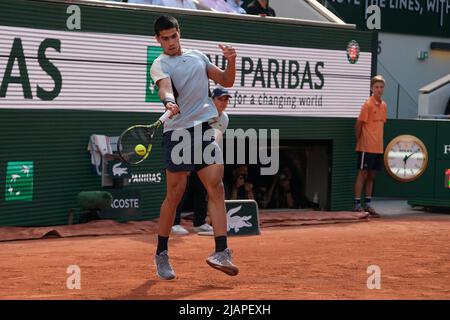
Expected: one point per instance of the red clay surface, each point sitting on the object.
(302, 262)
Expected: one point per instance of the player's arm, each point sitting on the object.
(166, 95)
(219, 130)
(358, 128)
(224, 77)
(363, 117)
(218, 136)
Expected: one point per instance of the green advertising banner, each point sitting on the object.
(126, 204)
(151, 91)
(19, 181)
(418, 17)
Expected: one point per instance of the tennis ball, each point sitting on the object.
(140, 150)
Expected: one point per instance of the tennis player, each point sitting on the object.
(182, 77)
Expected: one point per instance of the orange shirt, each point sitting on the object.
(373, 115)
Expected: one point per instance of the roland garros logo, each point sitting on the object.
(353, 51)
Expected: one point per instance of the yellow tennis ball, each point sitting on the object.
(140, 150)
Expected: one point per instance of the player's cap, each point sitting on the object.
(220, 92)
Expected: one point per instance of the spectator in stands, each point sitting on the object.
(184, 4)
(217, 5)
(261, 8)
(236, 6)
(241, 188)
(139, 1)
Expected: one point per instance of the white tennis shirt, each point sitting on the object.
(189, 75)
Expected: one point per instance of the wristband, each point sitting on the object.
(167, 100)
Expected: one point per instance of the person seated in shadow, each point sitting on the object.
(242, 187)
(281, 192)
(261, 196)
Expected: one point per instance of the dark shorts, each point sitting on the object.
(369, 161)
(187, 151)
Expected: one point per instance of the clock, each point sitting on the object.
(406, 158)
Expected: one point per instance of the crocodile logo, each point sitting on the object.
(118, 170)
(237, 222)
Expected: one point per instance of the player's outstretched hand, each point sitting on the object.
(228, 52)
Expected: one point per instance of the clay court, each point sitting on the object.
(321, 261)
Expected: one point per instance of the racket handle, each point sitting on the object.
(165, 116)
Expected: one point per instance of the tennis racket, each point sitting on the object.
(135, 143)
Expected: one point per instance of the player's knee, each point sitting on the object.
(215, 189)
(363, 174)
(175, 194)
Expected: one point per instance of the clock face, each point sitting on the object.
(405, 158)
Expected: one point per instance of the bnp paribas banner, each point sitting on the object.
(48, 69)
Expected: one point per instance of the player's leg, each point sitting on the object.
(176, 177)
(368, 194)
(211, 177)
(200, 205)
(360, 180)
(177, 228)
(176, 184)
(375, 164)
(368, 188)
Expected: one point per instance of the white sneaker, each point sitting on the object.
(179, 229)
(203, 228)
(222, 261)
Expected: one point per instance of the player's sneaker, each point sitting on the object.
(222, 261)
(203, 228)
(358, 208)
(179, 229)
(371, 211)
(163, 268)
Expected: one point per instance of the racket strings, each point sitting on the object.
(142, 135)
(137, 135)
(132, 138)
